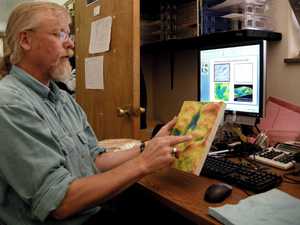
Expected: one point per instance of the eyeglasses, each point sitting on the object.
(63, 36)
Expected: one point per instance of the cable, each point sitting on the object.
(255, 165)
(247, 193)
(255, 125)
(290, 177)
(290, 182)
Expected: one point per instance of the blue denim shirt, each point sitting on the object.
(45, 143)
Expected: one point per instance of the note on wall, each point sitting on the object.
(100, 35)
(94, 73)
(96, 10)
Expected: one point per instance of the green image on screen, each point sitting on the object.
(222, 91)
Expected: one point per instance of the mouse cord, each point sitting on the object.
(290, 177)
(247, 193)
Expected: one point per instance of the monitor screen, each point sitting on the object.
(234, 74)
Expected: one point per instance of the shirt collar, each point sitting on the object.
(52, 92)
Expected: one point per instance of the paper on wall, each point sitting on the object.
(94, 73)
(100, 35)
(96, 10)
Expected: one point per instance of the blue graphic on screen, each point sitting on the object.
(222, 72)
(232, 75)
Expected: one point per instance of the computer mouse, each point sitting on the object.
(297, 157)
(216, 193)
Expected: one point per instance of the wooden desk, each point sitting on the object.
(184, 193)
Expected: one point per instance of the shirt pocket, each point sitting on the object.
(72, 156)
(83, 139)
(87, 163)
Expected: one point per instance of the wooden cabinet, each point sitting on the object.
(113, 111)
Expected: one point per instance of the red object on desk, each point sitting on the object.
(282, 121)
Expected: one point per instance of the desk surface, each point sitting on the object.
(184, 193)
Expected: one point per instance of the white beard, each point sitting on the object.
(61, 72)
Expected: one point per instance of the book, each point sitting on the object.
(201, 121)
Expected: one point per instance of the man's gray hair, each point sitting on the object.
(23, 17)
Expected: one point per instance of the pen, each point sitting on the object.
(219, 152)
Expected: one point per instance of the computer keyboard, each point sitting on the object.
(239, 175)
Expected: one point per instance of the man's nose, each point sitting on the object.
(69, 43)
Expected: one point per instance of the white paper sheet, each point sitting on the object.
(100, 35)
(94, 73)
(96, 11)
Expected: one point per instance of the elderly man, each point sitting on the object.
(51, 170)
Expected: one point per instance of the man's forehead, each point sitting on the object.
(54, 19)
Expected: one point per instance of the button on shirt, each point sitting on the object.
(45, 143)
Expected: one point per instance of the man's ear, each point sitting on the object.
(25, 40)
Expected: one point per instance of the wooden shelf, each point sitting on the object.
(292, 60)
(213, 39)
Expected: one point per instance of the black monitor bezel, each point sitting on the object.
(262, 70)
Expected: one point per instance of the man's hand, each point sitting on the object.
(159, 152)
(166, 129)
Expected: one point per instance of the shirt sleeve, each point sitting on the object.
(30, 161)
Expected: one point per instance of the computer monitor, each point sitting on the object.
(234, 73)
